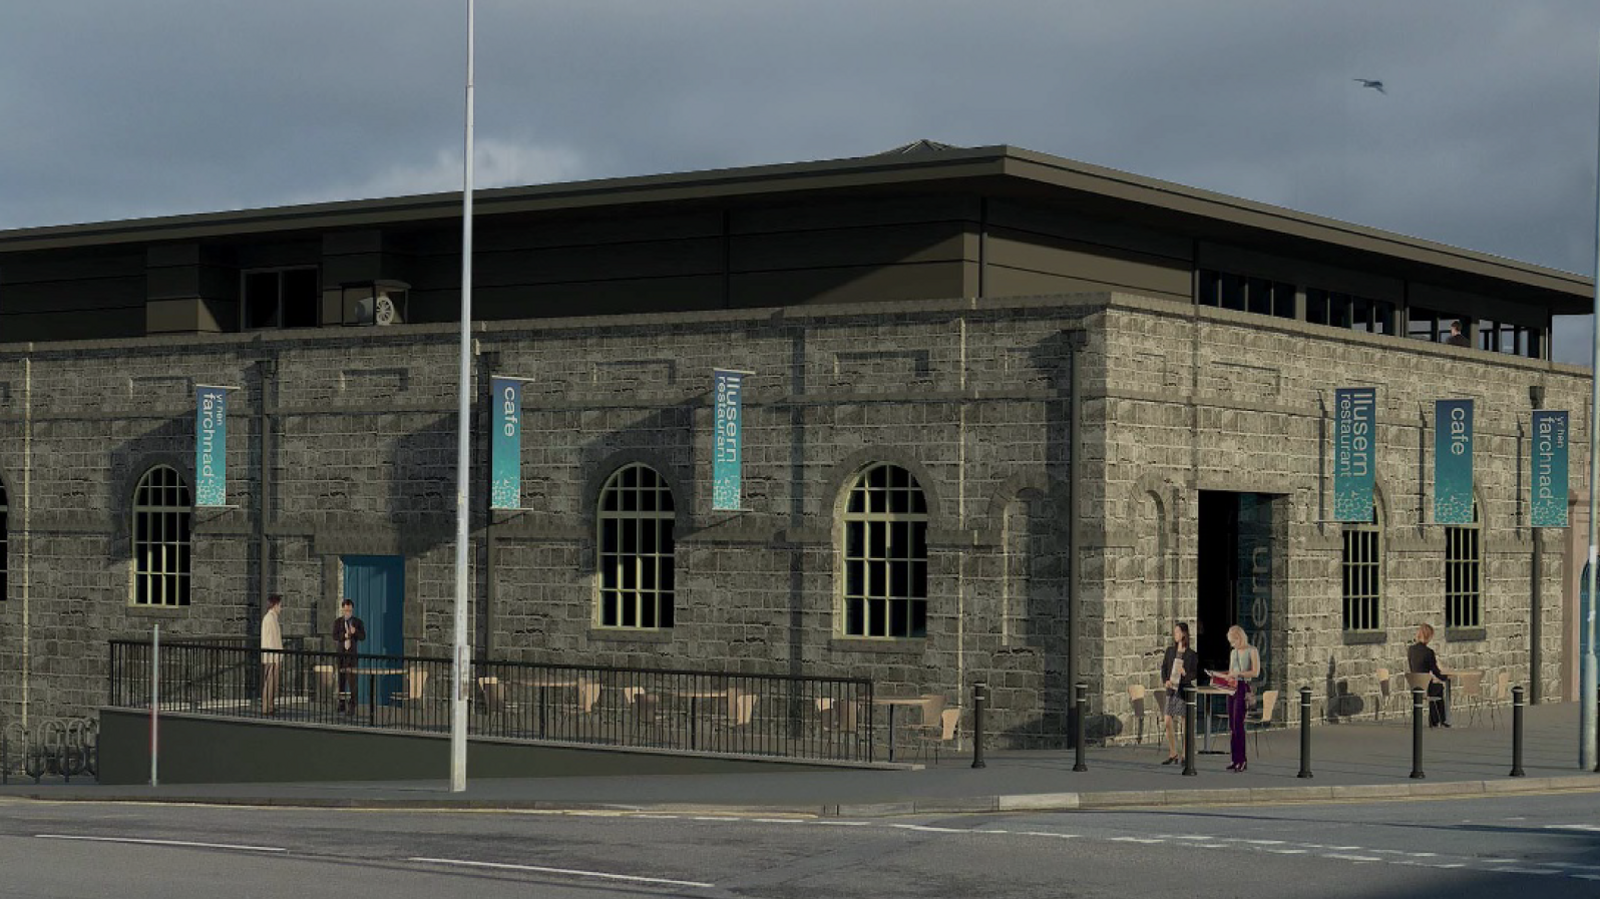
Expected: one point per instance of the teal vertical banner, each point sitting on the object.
(505, 444)
(1550, 472)
(727, 462)
(1355, 428)
(1452, 462)
(211, 446)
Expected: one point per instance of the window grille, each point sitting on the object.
(162, 513)
(1363, 574)
(1463, 574)
(636, 550)
(886, 555)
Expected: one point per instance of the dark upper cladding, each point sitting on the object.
(923, 221)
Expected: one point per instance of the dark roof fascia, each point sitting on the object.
(842, 174)
(857, 173)
(1168, 196)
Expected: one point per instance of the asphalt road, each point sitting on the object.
(1547, 844)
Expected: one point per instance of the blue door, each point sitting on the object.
(376, 584)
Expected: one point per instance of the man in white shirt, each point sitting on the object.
(271, 640)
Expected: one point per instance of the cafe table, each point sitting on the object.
(694, 697)
(372, 675)
(893, 703)
(1208, 691)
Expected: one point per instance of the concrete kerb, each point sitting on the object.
(1023, 802)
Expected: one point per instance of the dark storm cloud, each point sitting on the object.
(1486, 137)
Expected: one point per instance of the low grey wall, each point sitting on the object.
(206, 749)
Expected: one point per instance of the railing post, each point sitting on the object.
(980, 698)
(1188, 731)
(155, 705)
(1080, 705)
(1305, 732)
(1516, 732)
(1419, 714)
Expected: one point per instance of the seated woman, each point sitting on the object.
(1420, 659)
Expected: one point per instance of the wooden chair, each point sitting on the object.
(1422, 680)
(949, 722)
(1138, 698)
(1263, 718)
(1502, 695)
(326, 681)
(1385, 694)
(1469, 684)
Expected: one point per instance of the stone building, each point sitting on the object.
(1011, 417)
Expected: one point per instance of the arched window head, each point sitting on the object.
(162, 514)
(635, 546)
(885, 555)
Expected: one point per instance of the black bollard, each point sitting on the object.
(1419, 714)
(980, 698)
(1080, 705)
(1188, 732)
(1516, 732)
(1305, 732)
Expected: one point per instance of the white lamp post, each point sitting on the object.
(463, 652)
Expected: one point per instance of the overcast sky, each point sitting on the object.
(1486, 138)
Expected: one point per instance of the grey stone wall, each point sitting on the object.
(971, 396)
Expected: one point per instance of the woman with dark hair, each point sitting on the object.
(1178, 669)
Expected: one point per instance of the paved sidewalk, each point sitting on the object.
(1357, 760)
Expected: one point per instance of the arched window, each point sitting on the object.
(886, 555)
(5, 529)
(1363, 573)
(1463, 573)
(162, 509)
(636, 550)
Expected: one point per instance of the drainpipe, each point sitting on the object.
(1536, 606)
(27, 529)
(1075, 516)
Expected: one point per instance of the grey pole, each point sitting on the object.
(1586, 664)
(1188, 732)
(463, 653)
(1305, 733)
(980, 698)
(1080, 704)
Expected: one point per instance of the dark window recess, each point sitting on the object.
(1233, 292)
(1210, 285)
(286, 298)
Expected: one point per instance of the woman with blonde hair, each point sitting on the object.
(1244, 666)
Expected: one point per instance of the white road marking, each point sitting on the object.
(1511, 870)
(1046, 833)
(924, 828)
(988, 831)
(844, 823)
(1265, 842)
(1589, 828)
(656, 817)
(1586, 876)
(1145, 840)
(779, 820)
(572, 872)
(1352, 858)
(718, 819)
(146, 842)
(1288, 851)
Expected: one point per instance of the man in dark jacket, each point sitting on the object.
(1457, 338)
(1421, 660)
(348, 632)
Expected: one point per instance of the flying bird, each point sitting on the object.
(1375, 85)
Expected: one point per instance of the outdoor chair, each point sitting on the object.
(644, 708)
(1263, 717)
(326, 682)
(949, 721)
(1385, 694)
(411, 697)
(1502, 695)
(1421, 680)
(741, 712)
(1138, 699)
(1469, 685)
(494, 698)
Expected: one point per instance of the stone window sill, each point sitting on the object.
(158, 611)
(911, 646)
(1365, 638)
(625, 635)
(1465, 634)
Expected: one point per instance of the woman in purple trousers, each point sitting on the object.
(1244, 666)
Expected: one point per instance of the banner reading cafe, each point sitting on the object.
(1258, 408)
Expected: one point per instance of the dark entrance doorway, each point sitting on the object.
(376, 585)
(1237, 576)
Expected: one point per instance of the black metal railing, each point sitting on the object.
(789, 716)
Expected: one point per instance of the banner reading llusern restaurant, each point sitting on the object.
(727, 468)
(1550, 472)
(1452, 462)
(505, 444)
(211, 446)
(1355, 418)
